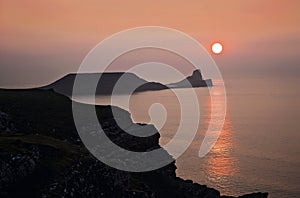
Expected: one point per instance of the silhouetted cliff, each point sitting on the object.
(42, 155)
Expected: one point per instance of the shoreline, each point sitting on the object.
(29, 132)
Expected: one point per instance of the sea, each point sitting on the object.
(258, 149)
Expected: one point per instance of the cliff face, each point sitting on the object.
(42, 155)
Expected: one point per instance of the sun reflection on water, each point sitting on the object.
(221, 165)
(220, 161)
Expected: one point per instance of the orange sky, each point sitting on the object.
(52, 36)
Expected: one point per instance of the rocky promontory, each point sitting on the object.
(195, 80)
(41, 154)
(119, 83)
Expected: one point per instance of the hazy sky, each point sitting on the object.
(43, 40)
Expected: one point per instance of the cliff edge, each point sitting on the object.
(42, 155)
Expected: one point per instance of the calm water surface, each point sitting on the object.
(258, 149)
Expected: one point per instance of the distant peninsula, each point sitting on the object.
(131, 83)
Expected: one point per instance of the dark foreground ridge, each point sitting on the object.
(41, 154)
(128, 83)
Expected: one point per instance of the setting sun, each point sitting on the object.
(217, 48)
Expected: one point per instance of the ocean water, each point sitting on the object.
(259, 146)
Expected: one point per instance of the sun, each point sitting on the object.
(217, 48)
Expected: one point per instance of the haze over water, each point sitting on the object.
(258, 149)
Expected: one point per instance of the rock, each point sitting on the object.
(18, 166)
(6, 123)
(195, 80)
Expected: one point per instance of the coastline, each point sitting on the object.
(37, 128)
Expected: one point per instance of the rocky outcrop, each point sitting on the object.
(195, 80)
(6, 124)
(16, 167)
(46, 158)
